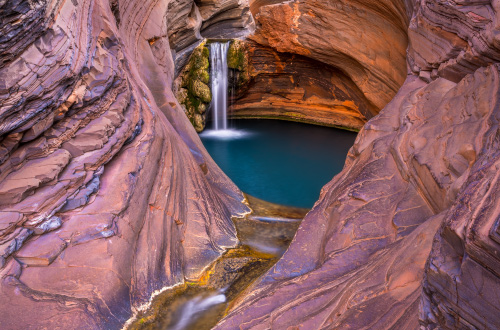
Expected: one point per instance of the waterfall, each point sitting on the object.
(220, 94)
(218, 59)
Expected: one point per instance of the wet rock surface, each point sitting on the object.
(405, 236)
(190, 21)
(264, 234)
(191, 87)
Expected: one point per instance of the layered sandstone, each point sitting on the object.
(367, 256)
(364, 39)
(293, 87)
(298, 73)
(190, 21)
(106, 192)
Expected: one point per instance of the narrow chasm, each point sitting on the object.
(280, 124)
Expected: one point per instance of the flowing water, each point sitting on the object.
(219, 69)
(282, 162)
(264, 236)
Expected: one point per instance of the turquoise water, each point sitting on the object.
(278, 161)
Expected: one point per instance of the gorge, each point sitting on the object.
(108, 195)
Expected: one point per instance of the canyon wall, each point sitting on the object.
(366, 40)
(297, 73)
(190, 21)
(406, 236)
(106, 192)
(293, 87)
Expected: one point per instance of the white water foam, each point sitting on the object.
(144, 307)
(225, 134)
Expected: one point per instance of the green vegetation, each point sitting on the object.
(237, 59)
(194, 92)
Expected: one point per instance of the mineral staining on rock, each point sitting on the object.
(264, 235)
(366, 40)
(293, 87)
(367, 256)
(107, 194)
(189, 22)
(192, 87)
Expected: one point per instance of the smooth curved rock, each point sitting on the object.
(106, 191)
(365, 39)
(426, 163)
(342, 270)
(293, 87)
(108, 195)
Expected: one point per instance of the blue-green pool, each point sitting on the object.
(278, 161)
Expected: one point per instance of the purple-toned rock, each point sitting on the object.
(366, 256)
(106, 192)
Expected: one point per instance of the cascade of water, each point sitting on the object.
(218, 59)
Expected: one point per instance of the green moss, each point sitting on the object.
(200, 57)
(237, 59)
(203, 76)
(201, 91)
(194, 83)
(206, 53)
(237, 56)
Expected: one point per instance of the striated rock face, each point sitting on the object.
(190, 21)
(225, 18)
(298, 73)
(452, 40)
(461, 285)
(106, 193)
(364, 39)
(406, 236)
(358, 258)
(293, 87)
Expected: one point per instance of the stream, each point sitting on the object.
(264, 236)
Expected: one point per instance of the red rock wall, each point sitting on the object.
(406, 236)
(353, 51)
(293, 87)
(365, 39)
(106, 193)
